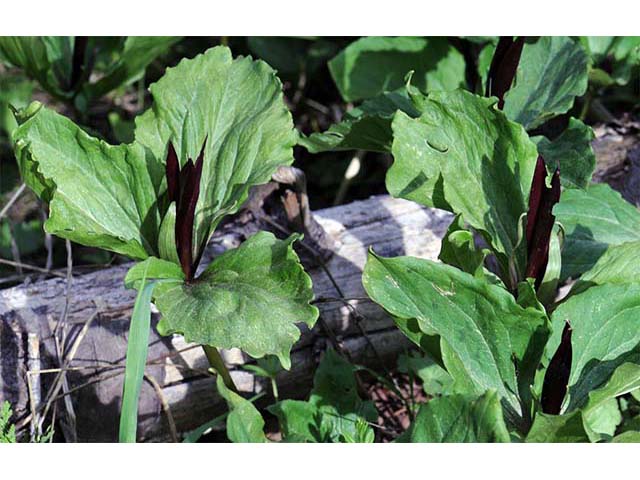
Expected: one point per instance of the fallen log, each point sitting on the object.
(180, 394)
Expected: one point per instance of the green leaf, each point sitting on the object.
(566, 428)
(237, 106)
(367, 127)
(299, 421)
(250, 298)
(604, 336)
(601, 412)
(45, 59)
(99, 195)
(435, 379)
(593, 219)
(463, 155)
(572, 153)
(154, 269)
(616, 265)
(15, 90)
(373, 65)
(292, 55)
(132, 60)
(137, 346)
(461, 419)
(551, 73)
(459, 250)
(485, 334)
(244, 422)
(619, 55)
(334, 409)
(7, 430)
(627, 437)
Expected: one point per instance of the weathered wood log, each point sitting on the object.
(178, 383)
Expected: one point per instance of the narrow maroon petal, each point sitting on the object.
(172, 170)
(538, 248)
(556, 379)
(537, 187)
(77, 62)
(503, 67)
(190, 191)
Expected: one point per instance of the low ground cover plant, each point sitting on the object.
(524, 364)
(491, 129)
(218, 125)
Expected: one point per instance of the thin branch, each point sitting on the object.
(12, 200)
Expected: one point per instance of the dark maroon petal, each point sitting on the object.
(190, 191)
(77, 62)
(538, 248)
(556, 379)
(537, 187)
(172, 170)
(503, 67)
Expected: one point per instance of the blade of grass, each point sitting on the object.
(135, 362)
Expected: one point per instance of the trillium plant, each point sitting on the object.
(529, 322)
(523, 362)
(217, 126)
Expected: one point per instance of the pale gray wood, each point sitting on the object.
(391, 226)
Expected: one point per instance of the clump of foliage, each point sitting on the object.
(62, 66)
(524, 365)
(7, 429)
(333, 413)
(217, 126)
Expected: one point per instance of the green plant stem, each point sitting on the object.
(217, 363)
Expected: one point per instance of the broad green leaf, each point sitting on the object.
(250, 298)
(99, 195)
(137, 346)
(616, 265)
(489, 334)
(133, 58)
(593, 219)
(373, 65)
(613, 58)
(567, 428)
(435, 379)
(244, 422)
(601, 412)
(299, 421)
(154, 269)
(459, 250)
(627, 437)
(15, 90)
(465, 156)
(27, 234)
(428, 341)
(45, 59)
(602, 420)
(551, 73)
(572, 153)
(334, 411)
(237, 106)
(335, 394)
(366, 127)
(461, 419)
(292, 55)
(605, 335)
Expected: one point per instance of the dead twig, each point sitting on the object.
(165, 406)
(12, 200)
